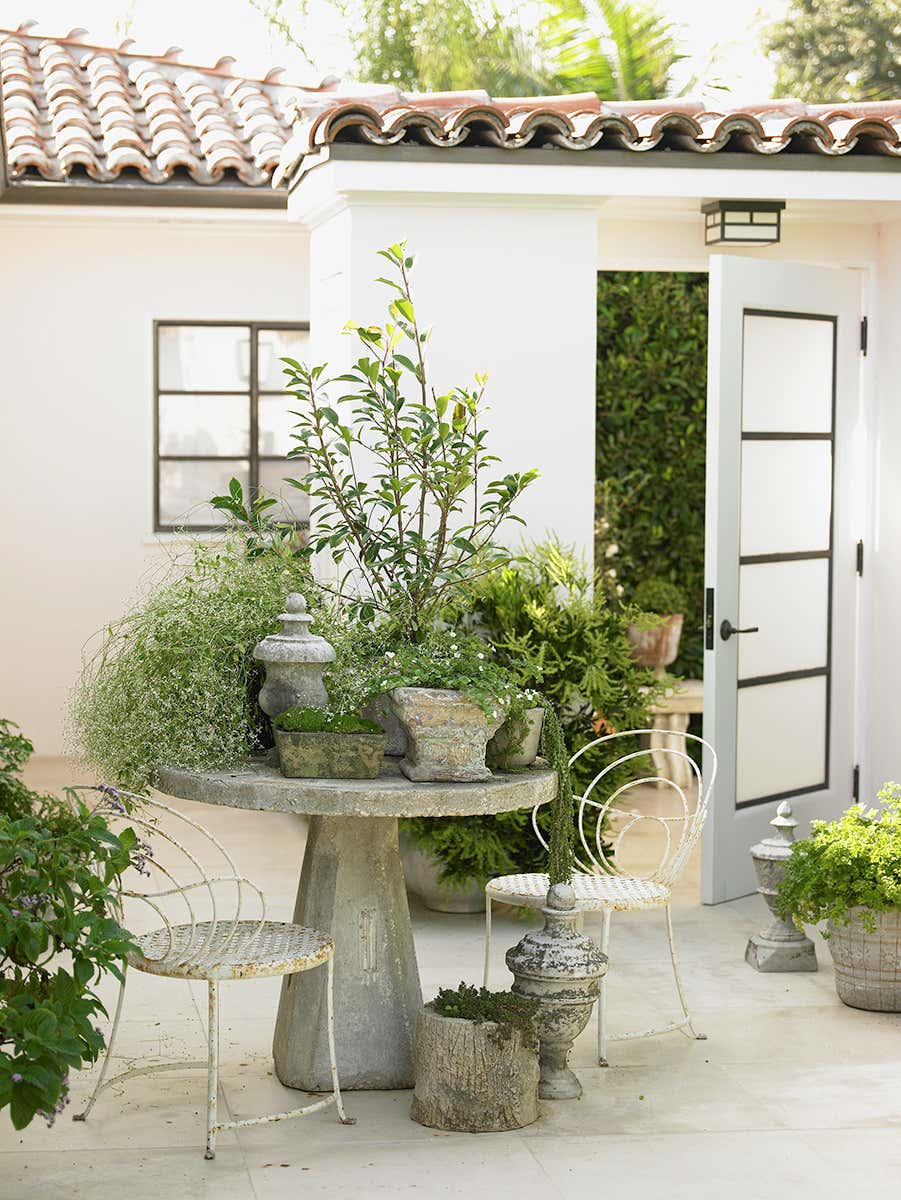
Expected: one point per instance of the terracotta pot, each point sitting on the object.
(658, 646)
(868, 965)
(421, 873)
(446, 735)
(503, 751)
(328, 755)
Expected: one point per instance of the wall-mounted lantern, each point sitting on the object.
(745, 222)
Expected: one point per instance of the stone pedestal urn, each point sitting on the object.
(446, 735)
(782, 946)
(562, 969)
(294, 661)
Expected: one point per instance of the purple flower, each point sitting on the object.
(113, 797)
(16, 1077)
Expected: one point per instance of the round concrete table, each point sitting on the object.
(352, 886)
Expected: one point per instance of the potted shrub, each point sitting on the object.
(848, 874)
(476, 1061)
(655, 635)
(405, 501)
(315, 744)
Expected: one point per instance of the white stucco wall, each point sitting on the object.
(79, 293)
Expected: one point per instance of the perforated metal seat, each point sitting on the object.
(600, 884)
(222, 950)
(594, 893)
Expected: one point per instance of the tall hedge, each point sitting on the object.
(651, 434)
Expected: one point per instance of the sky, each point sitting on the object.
(719, 36)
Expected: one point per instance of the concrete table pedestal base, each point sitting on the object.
(352, 885)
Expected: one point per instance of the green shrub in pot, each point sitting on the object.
(848, 874)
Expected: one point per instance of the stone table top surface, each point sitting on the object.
(258, 785)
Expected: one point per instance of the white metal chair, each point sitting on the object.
(214, 949)
(600, 883)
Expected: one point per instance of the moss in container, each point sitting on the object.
(313, 744)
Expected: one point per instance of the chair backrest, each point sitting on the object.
(192, 880)
(605, 823)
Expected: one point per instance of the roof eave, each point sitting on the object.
(166, 195)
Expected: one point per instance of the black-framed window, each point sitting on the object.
(220, 411)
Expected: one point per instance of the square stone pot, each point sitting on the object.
(446, 735)
(328, 755)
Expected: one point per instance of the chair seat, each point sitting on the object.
(619, 893)
(236, 950)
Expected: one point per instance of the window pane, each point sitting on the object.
(204, 425)
(786, 375)
(786, 496)
(789, 601)
(781, 738)
(273, 345)
(186, 488)
(204, 357)
(276, 422)
(293, 505)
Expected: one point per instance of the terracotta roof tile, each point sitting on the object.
(584, 122)
(75, 114)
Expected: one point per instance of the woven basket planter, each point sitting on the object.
(868, 965)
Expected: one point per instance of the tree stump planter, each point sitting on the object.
(473, 1077)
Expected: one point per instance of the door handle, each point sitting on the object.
(727, 629)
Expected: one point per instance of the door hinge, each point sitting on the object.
(855, 784)
(864, 334)
(860, 557)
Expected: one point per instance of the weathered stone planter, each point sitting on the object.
(421, 873)
(381, 710)
(473, 1078)
(868, 965)
(562, 969)
(512, 748)
(658, 646)
(328, 755)
(446, 735)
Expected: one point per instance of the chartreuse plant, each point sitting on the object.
(851, 863)
(60, 866)
(405, 495)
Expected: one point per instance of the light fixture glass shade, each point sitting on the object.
(745, 222)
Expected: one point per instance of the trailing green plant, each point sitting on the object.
(315, 720)
(60, 866)
(509, 1011)
(854, 862)
(404, 499)
(174, 680)
(651, 437)
(658, 597)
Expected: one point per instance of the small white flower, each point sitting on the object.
(612, 550)
(480, 656)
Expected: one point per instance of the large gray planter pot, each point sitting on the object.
(868, 965)
(421, 873)
(446, 735)
(472, 1077)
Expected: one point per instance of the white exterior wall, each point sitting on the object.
(80, 291)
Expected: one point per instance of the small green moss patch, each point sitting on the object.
(314, 720)
(505, 1009)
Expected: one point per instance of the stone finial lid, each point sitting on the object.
(294, 643)
(778, 844)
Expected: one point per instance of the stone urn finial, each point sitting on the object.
(294, 660)
(782, 946)
(562, 969)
